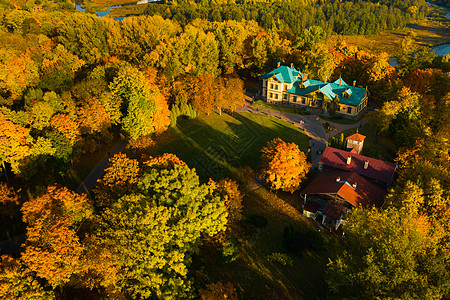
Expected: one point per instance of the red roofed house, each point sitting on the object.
(371, 168)
(356, 142)
(331, 194)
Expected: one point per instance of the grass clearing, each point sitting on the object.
(216, 144)
(129, 10)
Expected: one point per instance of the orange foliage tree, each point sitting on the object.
(120, 176)
(284, 166)
(52, 248)
(67, 126)
(165, 161)
(229, 192)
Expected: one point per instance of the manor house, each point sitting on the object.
(287, 86)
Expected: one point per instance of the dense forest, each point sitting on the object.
(71, 82)
(293, 17)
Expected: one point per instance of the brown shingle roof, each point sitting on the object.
(377, 169)
(334, 210)
(365, 194)
(311, 206)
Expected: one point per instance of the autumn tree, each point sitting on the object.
(53, 248)
(233, 93)
(142, 103)
(19, 282)
(164, 213)
(121, 174)
(283, 165)
(395, 253)
(9, 200)
(14, 144)
(229, 192)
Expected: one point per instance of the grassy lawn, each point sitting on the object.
(254, 276)
(215, 145)
(282, 108)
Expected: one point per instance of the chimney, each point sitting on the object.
(354, 185)
(366, 164)
(354, 82)
(326, 79)
(292, 65)
(278, 64)
(305, 76)
(340, 81)
(349, 160)
(338, 179)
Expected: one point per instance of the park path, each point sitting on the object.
(98, 171)
(311, 124)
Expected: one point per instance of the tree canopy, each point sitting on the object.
(283, 165)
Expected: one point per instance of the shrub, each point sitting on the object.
(281, 258)
(230, 251)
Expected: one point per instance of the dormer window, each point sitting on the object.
(347, 93)
(305, 84)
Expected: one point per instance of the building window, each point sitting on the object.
(303, 101)
(276, 86)
(284, 96)
(349, 110)
(271, 86)
(294, 98)
(270, 95)
(285, 87)
(276, 96)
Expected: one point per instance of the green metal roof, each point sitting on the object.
(283, 74)
(329, 89)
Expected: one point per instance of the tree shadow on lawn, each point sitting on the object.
(253, 275)
(216, 145)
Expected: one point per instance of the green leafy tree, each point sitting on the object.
(131, 85)
(157, 225)
(394, 253)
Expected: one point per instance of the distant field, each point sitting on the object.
(215, 145)
(129, 10)
(431, 32)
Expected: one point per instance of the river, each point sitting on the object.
(107, 11)
(444, 49)
(440, 50)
